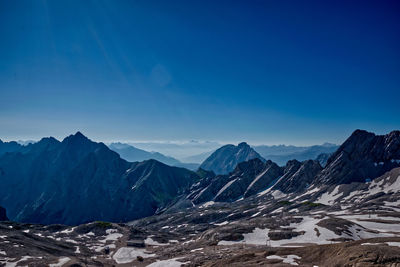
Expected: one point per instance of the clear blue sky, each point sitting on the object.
(294, 72)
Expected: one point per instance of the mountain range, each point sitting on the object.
(345, 213)
(78, 180)
(362, 157)
(132, 154)
(281, 154)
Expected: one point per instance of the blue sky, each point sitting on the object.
(294, 72)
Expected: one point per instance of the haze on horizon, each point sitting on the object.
(261, 72)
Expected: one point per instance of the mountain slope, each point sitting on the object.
(299, 177)
(77, 180)
(227, 157)
(362, 156)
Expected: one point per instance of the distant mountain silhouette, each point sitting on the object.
(281, 154)
(132, 154)
(227, 157)
(9, 147)
(198, 158)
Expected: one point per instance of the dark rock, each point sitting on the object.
(135, 243)
(362, 156)
(279, 235)
(298, 177)
(265, 179)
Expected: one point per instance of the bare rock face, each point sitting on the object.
(226, 158)
(248, 178)
(301, 179)
(3, 214)
(242, 177)
(265, 179)
(362, 156)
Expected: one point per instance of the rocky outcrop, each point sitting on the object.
(265, 179)
(240, 179)
(254, 176)
(226, 158)
(227, 188)
(297, 177)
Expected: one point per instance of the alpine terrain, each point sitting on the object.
(77, 203)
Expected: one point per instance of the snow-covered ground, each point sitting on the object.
(328, 198)
(129, 254)
(167, 263)
(316, 234)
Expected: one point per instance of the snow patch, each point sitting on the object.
(286, 259)
(329, 198)
(129, 254)
(151, 242)
(207, 204)
(61, 262)
(393, 244)
(167, 263)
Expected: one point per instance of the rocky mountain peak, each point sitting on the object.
(362, 156)
(78, 137)
(247, 166)
(226, 158)
(243, 145)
